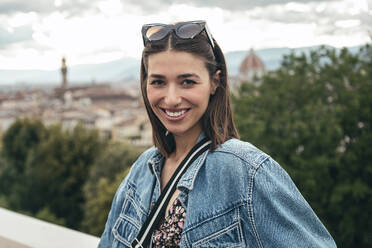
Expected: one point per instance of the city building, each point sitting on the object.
(251, 69)
(118, 113)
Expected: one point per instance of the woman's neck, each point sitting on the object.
(183, 146)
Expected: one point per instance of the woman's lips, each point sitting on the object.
(175, 114)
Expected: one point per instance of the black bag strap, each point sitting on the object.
(155, 216)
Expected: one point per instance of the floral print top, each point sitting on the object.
(169, 232)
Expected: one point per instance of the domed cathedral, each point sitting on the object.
(251, 68)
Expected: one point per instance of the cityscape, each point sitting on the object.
(117, 111)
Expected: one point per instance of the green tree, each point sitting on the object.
(45, 169)
(18, 142)
(57, 171)
(313, 115)
(105, 177)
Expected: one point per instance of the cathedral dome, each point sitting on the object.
(252, 66)
(251, 62)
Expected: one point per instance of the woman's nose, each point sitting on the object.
(172, 97)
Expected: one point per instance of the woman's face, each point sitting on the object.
(178, 89)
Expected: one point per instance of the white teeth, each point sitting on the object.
(175, 114)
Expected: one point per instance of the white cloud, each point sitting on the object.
(25, 55)
(57, 3)
(347, 23)
(21, 19)
(110, 29)
(297, 7)
(110, 7)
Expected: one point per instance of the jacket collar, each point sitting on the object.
(156, 161)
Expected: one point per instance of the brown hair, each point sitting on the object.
(217, 121)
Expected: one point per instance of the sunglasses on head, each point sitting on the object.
(185, 30)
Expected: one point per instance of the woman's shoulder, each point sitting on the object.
(145, 159)
(235, 149)
(239, 157)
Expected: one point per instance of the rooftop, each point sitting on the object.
(251, 62)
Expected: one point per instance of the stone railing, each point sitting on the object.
(21, 231)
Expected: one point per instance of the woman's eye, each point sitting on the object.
(156, 82)
(188, 82)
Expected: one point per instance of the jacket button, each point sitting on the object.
(152, 206)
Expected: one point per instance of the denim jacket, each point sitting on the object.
(235, 196)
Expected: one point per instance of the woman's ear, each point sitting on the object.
(215, 82)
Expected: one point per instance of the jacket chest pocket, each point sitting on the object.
(221, 230)
(130, 220)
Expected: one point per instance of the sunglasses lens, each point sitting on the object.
(156, 33)
(189, 31)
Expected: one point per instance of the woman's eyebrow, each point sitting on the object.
(186, 75)
(157, 76)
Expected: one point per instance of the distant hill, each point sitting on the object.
(107, 72)
(271, 57)
(126, 69)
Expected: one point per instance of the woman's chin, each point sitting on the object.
(184, 132)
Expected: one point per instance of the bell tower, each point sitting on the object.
(64, 73)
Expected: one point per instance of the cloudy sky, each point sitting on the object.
(35, 34)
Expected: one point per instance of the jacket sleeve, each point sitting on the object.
(281, 216)
(107, 237)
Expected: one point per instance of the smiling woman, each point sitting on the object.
(178, 90)
(200, 186)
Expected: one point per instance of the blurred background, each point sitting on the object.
(72, 120)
